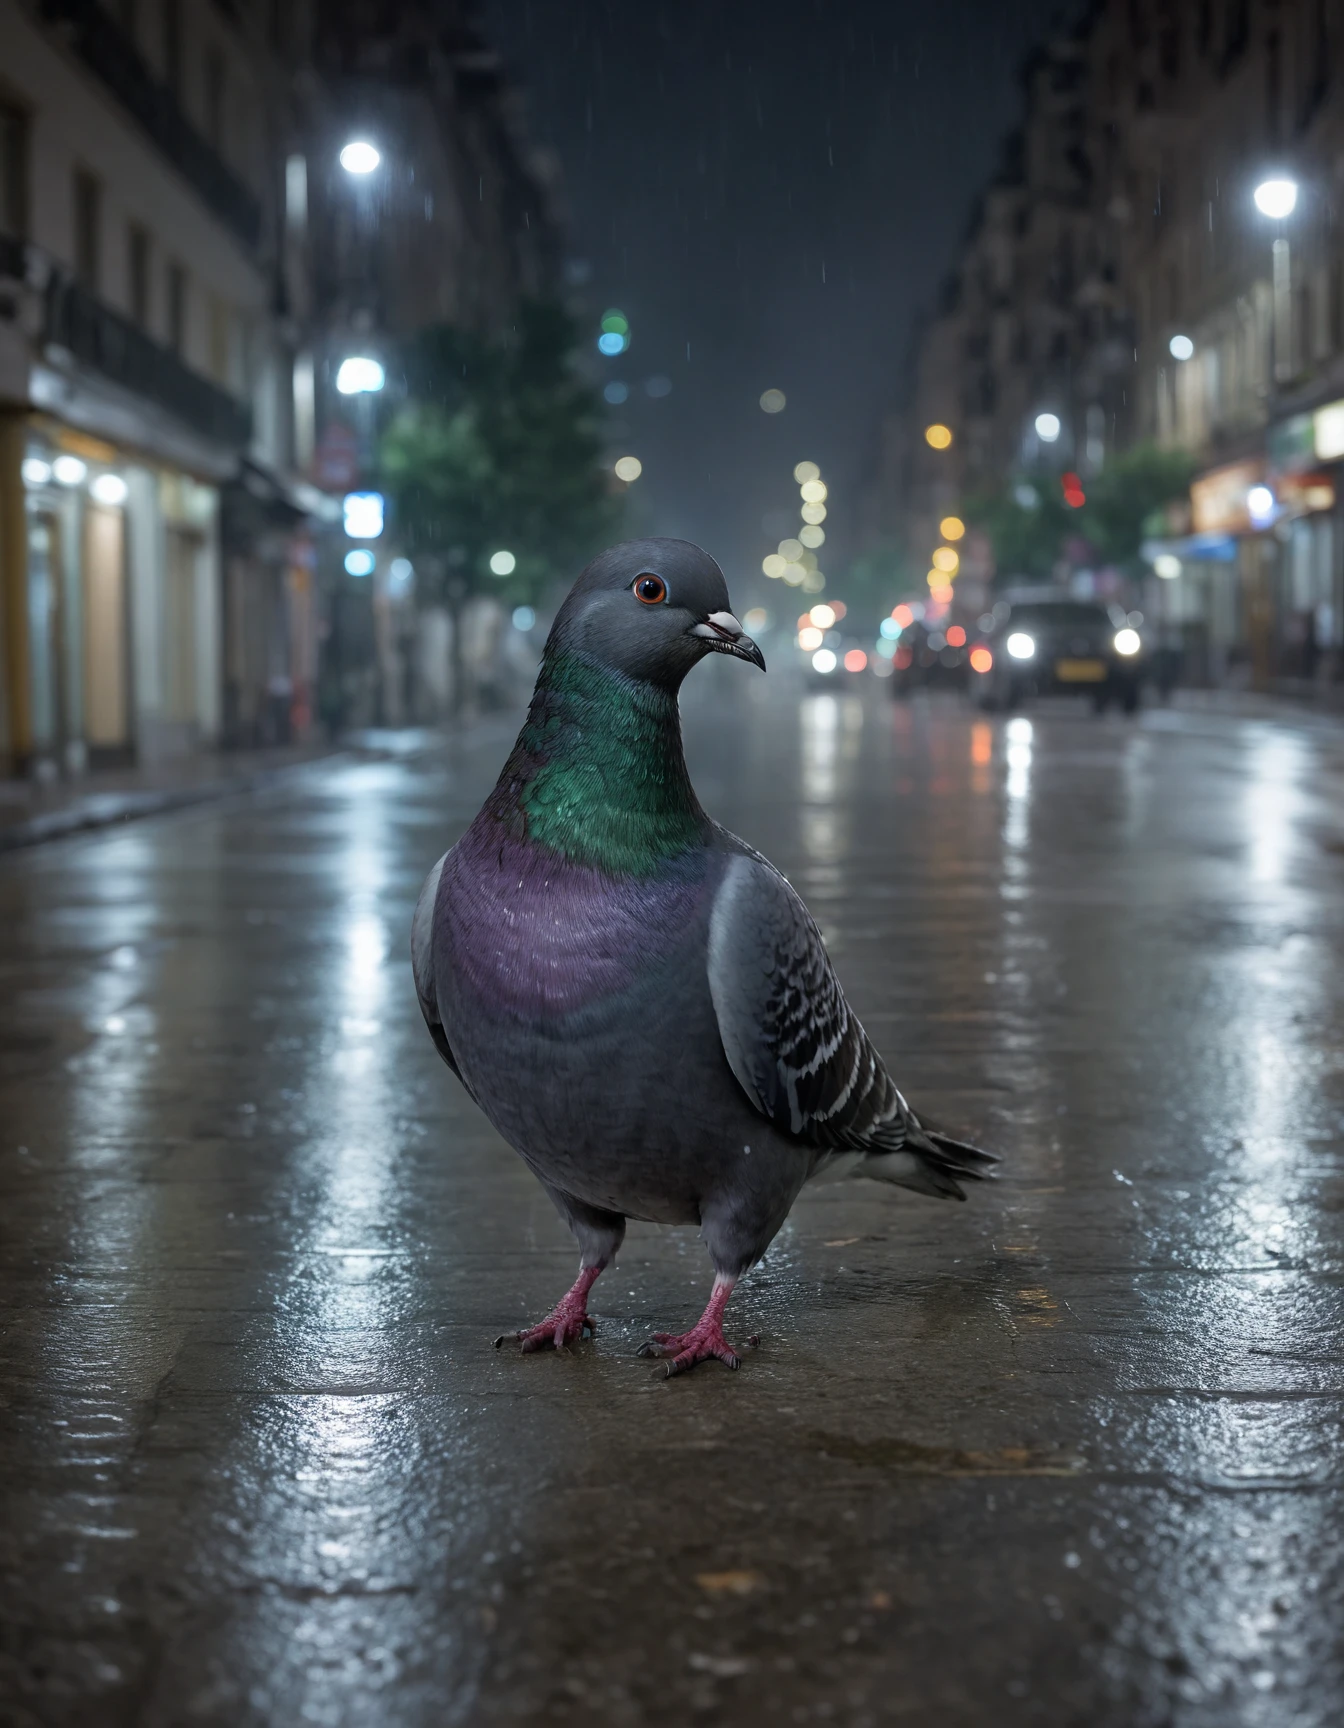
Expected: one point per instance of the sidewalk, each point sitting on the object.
(31, 812)
(1251, 705)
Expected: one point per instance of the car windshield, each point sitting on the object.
(1058, 614)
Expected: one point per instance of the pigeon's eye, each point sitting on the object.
(652, 590)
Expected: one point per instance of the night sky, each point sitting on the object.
(770, 190)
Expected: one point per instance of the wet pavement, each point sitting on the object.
(1071, 1453)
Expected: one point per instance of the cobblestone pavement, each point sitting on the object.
(1071, 1453)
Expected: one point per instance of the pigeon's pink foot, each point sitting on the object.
(705, 1338)
(567, 1321)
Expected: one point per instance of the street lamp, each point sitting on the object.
(1277, 199)
(360, 157)
(358, 375)
(1047, 428)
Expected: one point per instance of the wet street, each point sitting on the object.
(1070, 1453)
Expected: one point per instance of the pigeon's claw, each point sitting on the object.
(565, 1324)
(705, 1338)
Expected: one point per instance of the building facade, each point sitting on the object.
(1121, 278)
(184, 267)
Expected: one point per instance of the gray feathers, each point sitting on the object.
(797, 1049)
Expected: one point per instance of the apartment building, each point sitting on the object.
(1122, 280)
(184, 267)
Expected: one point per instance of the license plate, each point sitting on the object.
(1080, 671)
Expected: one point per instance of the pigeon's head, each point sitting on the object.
(651, 609)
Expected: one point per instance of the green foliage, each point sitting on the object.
(498, 448)
(1026, 524)
(1122, 498)
(1031, 538)
(874, 582)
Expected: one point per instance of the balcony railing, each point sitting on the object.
(109, 344)
(110, 54)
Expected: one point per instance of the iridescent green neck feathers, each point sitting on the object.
(598, 772)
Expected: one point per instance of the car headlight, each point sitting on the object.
(1127, 642)
(1020, 645)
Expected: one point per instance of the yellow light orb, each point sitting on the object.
(809, 637)
(812, 535)
(629, 468)
(792, 550)
(951, 527)
(774, 566)
(937, 436)
(823, 616)
(794, 574)
(813, 491)
(813, 512)
(813, 582)
(806, 471)
(946, 559)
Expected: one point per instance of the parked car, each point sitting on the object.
(1052, 647)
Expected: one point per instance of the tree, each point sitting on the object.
(1032, 529)
(497, 449)
(875, 580)
(1127, 494)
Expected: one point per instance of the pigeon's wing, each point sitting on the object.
(797, 1048)
(422, 964)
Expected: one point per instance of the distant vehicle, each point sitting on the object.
(930, 658)
(1053, 647)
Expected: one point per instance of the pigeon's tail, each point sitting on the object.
(929, 1162)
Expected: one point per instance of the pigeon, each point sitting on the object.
(638, 1001)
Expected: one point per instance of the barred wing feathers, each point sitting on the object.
(798, 1050)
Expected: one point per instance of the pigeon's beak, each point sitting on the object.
(725, 635)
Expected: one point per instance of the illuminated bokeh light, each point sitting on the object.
(813, 513)
(791, 549)
(809, 637)
(823, 616)
(773, 401)
(823, 660)
(774, 564)
(945, 558)
(855, 660)
(811, 535)
(937, 436)
(629, 468)
(806, 471)
(956, 636)
(813, 491)
(951, 527)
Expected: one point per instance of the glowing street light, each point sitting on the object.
(502, 563)
(1276, 199)
(1048, 428)
(1180, 347)
(360, 157)
(952, 528)
(629, 468)
(937, 436)
(358, 375)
